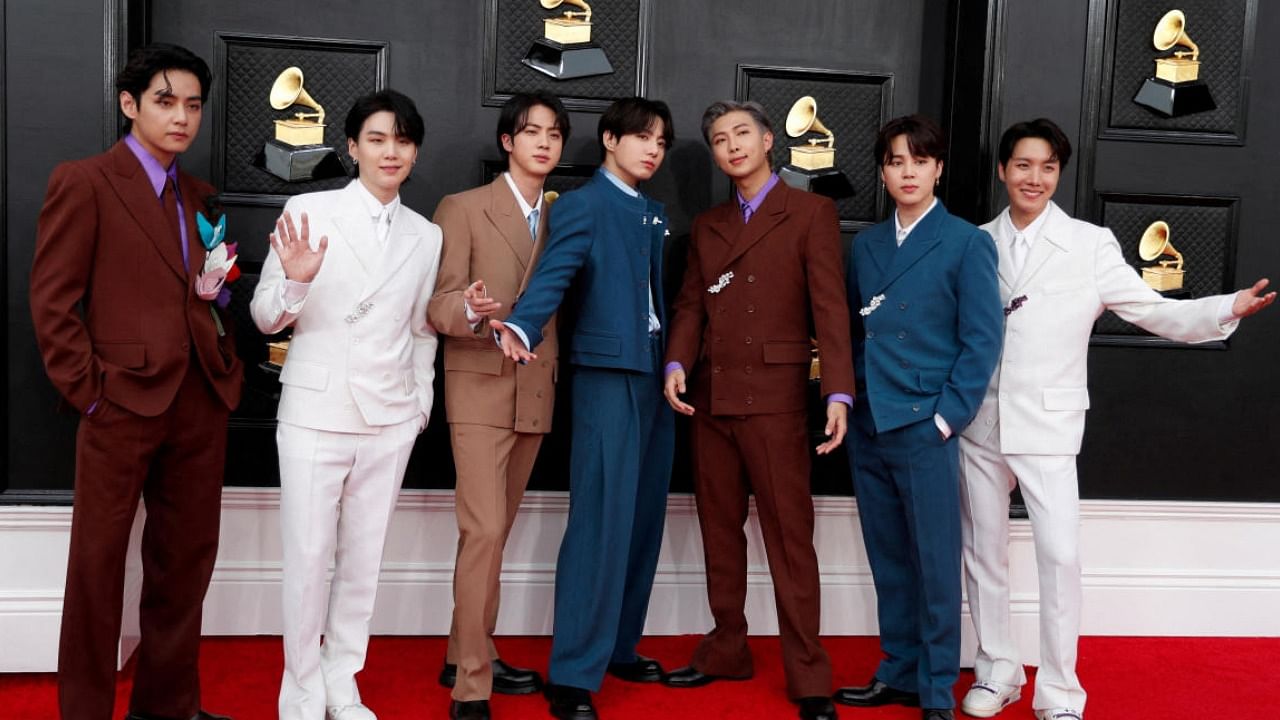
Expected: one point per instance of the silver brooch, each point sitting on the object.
(361, 310)
(722, 283)
(875, 303)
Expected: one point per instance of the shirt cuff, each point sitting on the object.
(671, 367)
(92, 407)
(497, 339)
(943, 427)
(293, 294)
(1227, 320)
(472, 319)
(840, 397)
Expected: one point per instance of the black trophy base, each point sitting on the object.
(298, 163)
(564, 62)
(1175, 99)
(829, 182)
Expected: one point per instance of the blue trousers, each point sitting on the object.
(623, 439)
(908, 489)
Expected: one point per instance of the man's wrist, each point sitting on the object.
(670, 368)
(840, 397)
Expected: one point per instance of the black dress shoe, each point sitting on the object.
(640, 670)
(469, 710)
(817, 708)
(876, 694)
(507, 680)
(570, 703)
(690, 677)
(937, 714)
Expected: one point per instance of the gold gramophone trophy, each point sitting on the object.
(1166, 274)
(1176, 88)
(565, 50)
(297, 152)
(812, 165)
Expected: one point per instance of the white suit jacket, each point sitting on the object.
(362, 353)
(1038, 394)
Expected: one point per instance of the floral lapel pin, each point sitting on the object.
(721, 284)
(219, 261)
(871, 306)
(1014, 305)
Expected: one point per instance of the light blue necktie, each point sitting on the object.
(533, 224)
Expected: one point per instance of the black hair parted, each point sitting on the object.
(409, 122)
(1042, 128)
(924, 138)
(514, 115)
(145, 62)
(634, 115)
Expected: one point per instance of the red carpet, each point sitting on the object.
(1129, 678)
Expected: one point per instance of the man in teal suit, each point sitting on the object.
(605, 249)
(927, 327)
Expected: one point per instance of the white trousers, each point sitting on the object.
(337, 492)
(1053, 503)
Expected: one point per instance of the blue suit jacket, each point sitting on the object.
(934, 339)
(607, 245)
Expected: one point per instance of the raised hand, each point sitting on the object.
(477, 298)
(673, 389)
(1251, 300)
(300, 262)
(512, 346)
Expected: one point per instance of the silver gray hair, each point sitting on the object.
(720, 108)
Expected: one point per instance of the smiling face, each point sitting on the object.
(1030, 177)
(635, 157)
(740, 147)
(535, 149)
(384, 158)
(166, 117)
(909, 179)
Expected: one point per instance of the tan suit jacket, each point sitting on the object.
(487, 238)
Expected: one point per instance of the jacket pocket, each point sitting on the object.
(1066, 399)
(931, 380)
(473, 360)
(122, 354)
(305, 375)
(597, 343)
(787, 352)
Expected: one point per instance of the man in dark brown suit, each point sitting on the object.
(763, 269)
(128, 342)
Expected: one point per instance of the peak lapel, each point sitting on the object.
(536, 252)
(771, 214)
(138, 196)
(400, 245)
(922, 240)
(1050, 243)
(504, 213)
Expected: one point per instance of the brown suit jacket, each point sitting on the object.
(115, 313)
(746, 348)
(486, 238)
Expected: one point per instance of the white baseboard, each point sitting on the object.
(1150, 568)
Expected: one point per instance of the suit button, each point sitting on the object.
(902, 334)
(396, 318)
(386, 376)
(719, 310)
(990, 421)
(535, 422)
(538, 394)
(356, 341)
(902, 306)
(718, 338)
(870, 334)
(749, 400)
(186, 347)
(915, 408)
(747, 369)
(906, 364)
(751, 308)
(751, 278)
(748, 340)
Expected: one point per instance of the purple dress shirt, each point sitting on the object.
(159, 175)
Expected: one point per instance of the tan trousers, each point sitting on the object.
(493, 466)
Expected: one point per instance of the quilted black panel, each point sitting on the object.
(851, 106)
(1216, 26)
(334, 77)
(615, 27)
(562, 179)
(1202, 233)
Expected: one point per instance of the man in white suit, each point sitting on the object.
(1056, 275)
(356, 393)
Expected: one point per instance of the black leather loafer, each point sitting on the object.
(640, 670)
(690, 677)
(876, 694)
(469, 710)
(507, 680)
(570, 703)
(816, 708)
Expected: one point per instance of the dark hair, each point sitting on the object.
(145, 62)
(720, 108)
(631, 116)
(514, 116)
(1042, 128)
(924, 138)
(408, 122)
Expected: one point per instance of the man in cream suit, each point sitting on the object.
(498, 410)
(1056, 277)
(357, 391)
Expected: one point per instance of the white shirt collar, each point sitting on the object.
(525, 209)
(621, 185)
(1031, 232)
(374, 206)
(900, 232)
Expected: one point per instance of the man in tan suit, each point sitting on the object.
(498, 410)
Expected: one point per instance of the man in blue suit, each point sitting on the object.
(927, 332)
(605, 247)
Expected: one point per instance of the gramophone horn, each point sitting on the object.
(1155, 243)
(287, 90)
(803, 117)
(1171, 31)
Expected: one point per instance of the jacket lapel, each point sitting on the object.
(138, 197)
(1052, 240)
(999, 233)
(537, 246)
(504, 213)
(400, 245)
(771, 214)
(352, 221)
(922, 240)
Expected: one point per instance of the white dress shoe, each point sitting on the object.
(349, 712)
(1059, 714)
(985, 698)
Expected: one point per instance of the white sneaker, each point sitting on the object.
(986, 699)
(1059, 714)
(349, 712)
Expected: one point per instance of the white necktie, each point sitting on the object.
(382, 226)
(533, 223)
(1018, 248)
